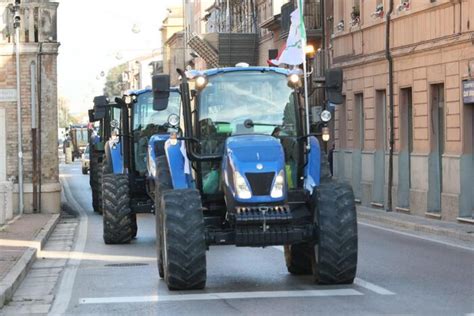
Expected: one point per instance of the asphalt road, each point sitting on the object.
(397, 274)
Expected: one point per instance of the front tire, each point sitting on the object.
(117, 215)
(334, 257)
(184, 245)
(84, 170)
(96, 182)
(162, 184)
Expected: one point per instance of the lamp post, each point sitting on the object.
(16, 26)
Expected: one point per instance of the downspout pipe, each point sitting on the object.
(389, 58)
(39, 64)
(16, 25)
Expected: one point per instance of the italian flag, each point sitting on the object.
(293, 52)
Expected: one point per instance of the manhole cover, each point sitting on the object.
(119, 265)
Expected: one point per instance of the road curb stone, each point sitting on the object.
(15, 276)
(391, 220)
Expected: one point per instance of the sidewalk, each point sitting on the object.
(395, 220)
(19, 242)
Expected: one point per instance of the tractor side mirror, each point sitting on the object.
(334, 80)
(161, 91)
(100, 108)
(91, 115)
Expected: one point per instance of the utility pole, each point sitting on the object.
(16, 26)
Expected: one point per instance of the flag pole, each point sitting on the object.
(303, 38)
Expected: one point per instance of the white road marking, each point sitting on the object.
(362, 283)
(218, 296)
(416, 236)
(64, 291)
(372, 287)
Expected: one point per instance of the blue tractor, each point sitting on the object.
(102, 114)
(125, 190)
(245, 171)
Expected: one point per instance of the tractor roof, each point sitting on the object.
(215, 71)
(148, 89)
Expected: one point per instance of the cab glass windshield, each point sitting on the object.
(247, 102)
(145, 117)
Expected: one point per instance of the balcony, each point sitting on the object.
(312, 18)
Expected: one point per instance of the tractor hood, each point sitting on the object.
(258, 159)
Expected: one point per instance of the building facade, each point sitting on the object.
(432, 46)
(172, 38)
(38, 90)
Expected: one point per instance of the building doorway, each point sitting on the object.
(437, 124)
(378, 187)
(466, 199)
(405, 150)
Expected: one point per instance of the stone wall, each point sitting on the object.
(38, 49)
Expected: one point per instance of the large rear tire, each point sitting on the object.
(184, 245)
(298, 258)
(162, 184)
(117, 215)
(334, 256)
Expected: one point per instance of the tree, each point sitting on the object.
(63, 112)
(114, 83)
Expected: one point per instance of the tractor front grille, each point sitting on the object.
(260, 183)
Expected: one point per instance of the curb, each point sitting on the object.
(387, 221)
(15, 276)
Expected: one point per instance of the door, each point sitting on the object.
(437, 148)
(406, 148)
(378, 187)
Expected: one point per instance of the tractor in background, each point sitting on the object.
(79, 137)
(243, 169)
(125, 183)
(106, 116)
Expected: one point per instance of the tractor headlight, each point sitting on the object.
(325, 134)
(326, 116)
(241, 188)
(128, 99)
(201, 82)
(294, 80)
(278, 186)
(173, 120)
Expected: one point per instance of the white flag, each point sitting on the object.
(294, 50)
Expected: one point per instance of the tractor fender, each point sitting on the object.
(312, 171)
(113, 156)
(177, 161)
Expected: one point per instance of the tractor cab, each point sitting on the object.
(247, 126)
(244, 170)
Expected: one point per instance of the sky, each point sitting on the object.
(93, 33)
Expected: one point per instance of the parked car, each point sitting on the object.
(85, 161)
